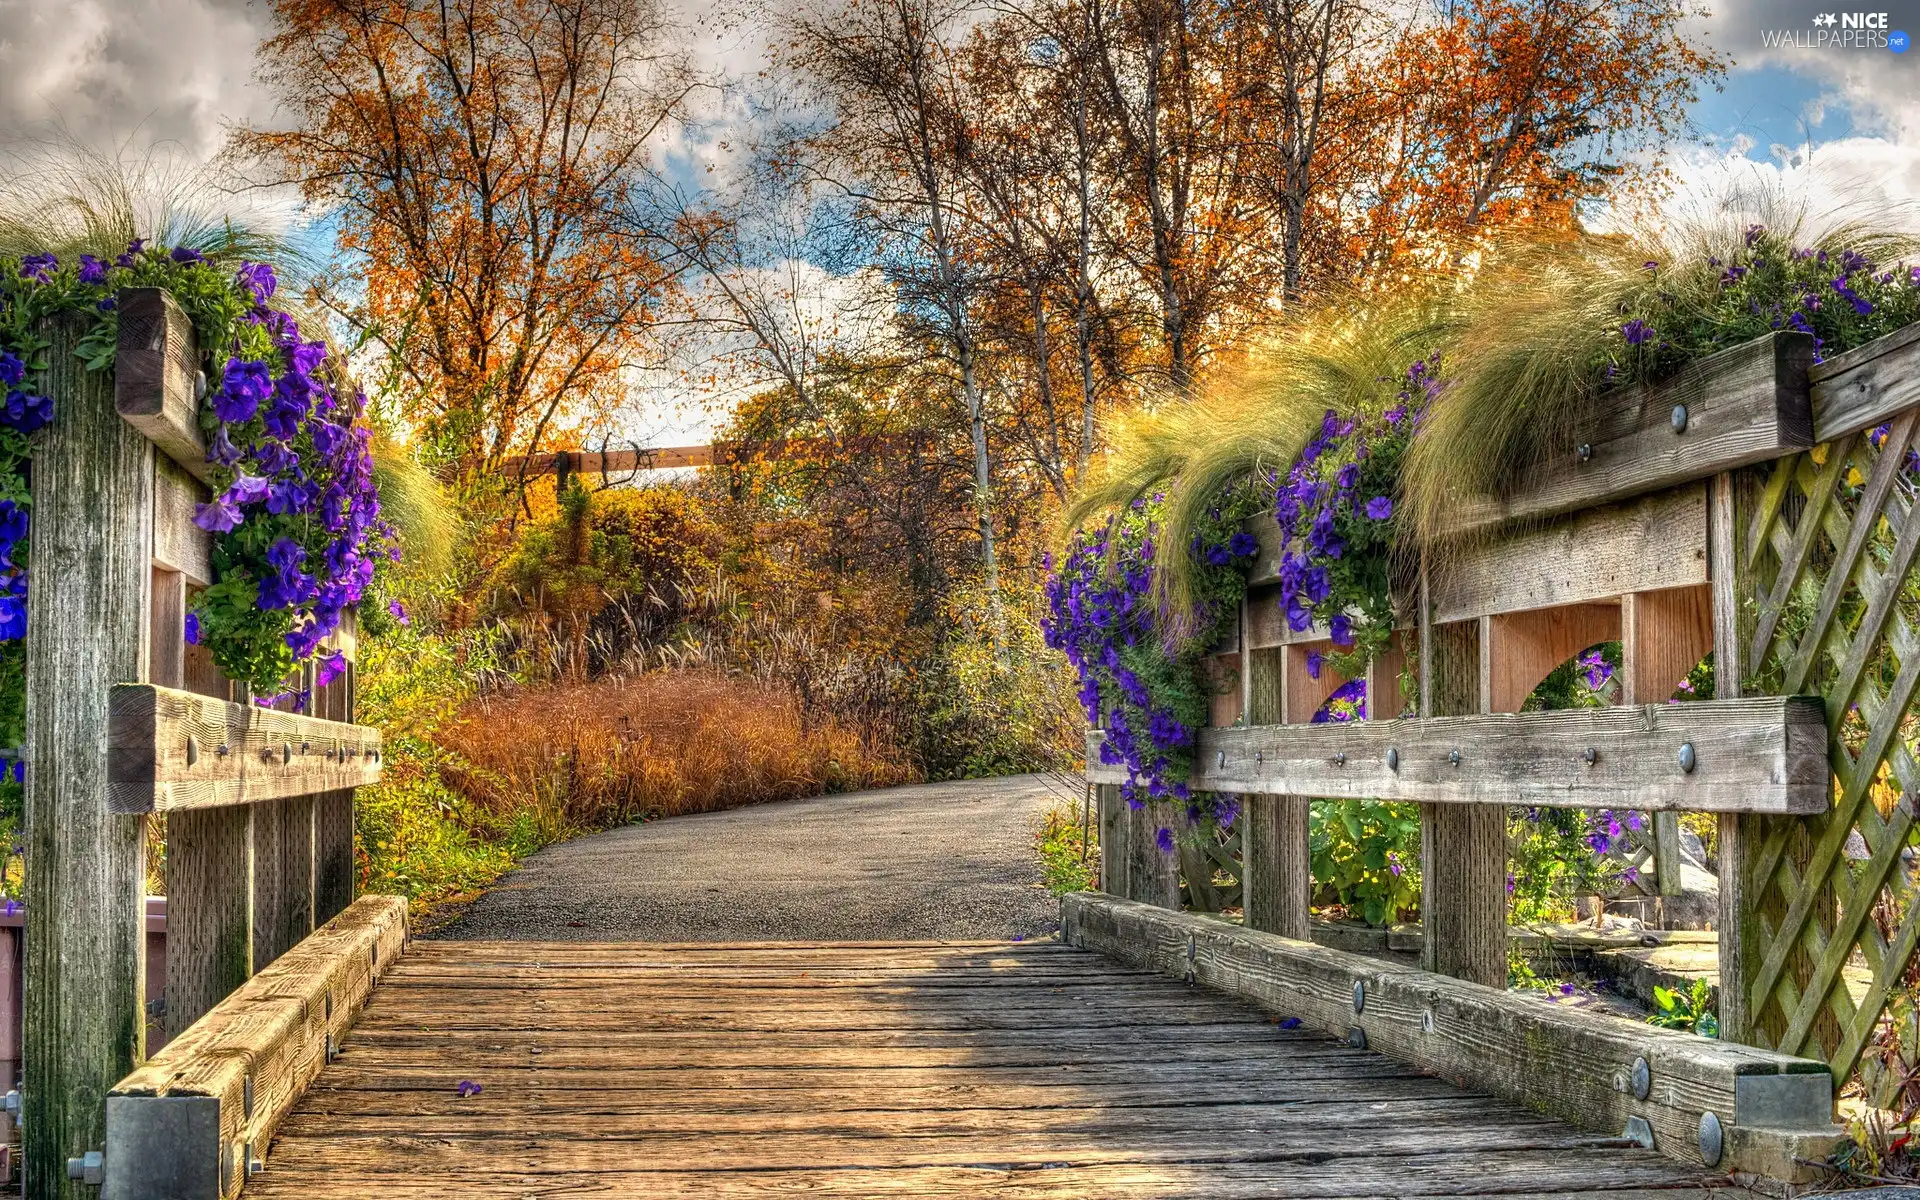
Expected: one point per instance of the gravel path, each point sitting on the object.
(937, 860)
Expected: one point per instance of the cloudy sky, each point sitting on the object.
(179, 71)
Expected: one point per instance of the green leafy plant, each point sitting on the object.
(1688, 1010)
(1366, 858)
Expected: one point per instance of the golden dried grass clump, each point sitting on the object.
(1348, 355)
(590, 755)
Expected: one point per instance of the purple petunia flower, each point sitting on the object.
(39, 267)
(245, 384)
(1164, 840)
(92, 270)
(193, 629)
(1637, 332)
(1379, 508)
(258, 279)
(219, 516)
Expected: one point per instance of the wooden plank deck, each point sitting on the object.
(903, 1069)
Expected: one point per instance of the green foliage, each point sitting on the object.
(1068, 862)
(995, 702)
(1366, 858)
(1689, 1010)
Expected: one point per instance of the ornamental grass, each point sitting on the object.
(588, 755)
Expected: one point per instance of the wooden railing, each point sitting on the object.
(129, 721)
(1757, 508)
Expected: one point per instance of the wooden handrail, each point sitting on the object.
(168, 749)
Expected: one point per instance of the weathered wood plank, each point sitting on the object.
(257, 1050)
(209, 922)
(92, 550)
(157, 376)
(1522, 648)
(1569, 1064)
(1866, 386)
(1763, 754)
(1278, 879)
(1654, 542)
(1744, 405)
(173, 749)
(179, 544)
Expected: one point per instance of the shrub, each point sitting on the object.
(573, 756)
(1069, 851)
(996, 709)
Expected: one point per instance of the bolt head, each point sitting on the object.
(199, 385)
(1453, 756)
(1712, 1138)
(1359, 995)
(1393, 758)
(1642, 1079)
(1220, 758)
(1585, 452)
(1679, 418)
(1591, 756)
(1688, 760)
(1340, 758)
(1357, 1037)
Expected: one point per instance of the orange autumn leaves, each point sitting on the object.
(486, 163)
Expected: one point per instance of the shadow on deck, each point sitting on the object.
(1025, 1069)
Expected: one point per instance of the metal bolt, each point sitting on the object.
(254, 1165)
(1393, 758)
(1585, 452)
(1453, 756)
(306, 747)
(1359, 995)
(1357, 1038)
(1679, 418)
(1642, 1079)
(1339, 758)
(221, 750)
(199, 385)
(89, 1168)
(329, 756)
(1712, 1139)
(333, 1051)
(286, 753)
(193, 750)
(246, 1096)
(1591, 756)
(1638, 1132)
(1193, 949)
(1426, 1021)
(1259, 756)
(1687, 757)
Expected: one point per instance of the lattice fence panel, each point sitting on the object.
(1836, 611)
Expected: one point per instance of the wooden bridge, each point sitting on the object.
(1753, 508)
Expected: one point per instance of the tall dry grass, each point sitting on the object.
(587, 755)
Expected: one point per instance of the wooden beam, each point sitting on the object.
(179, 544)
(248, 1060)
(1657, 541)
(171, 749)
(1743, 405)
(1277, 864)
(156, 376)
(1762, 754)
(1463, 848)
(92, 555)
(1569, 1063)
(607, 462)
(1867, 386)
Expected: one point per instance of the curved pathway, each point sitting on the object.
(937, 860)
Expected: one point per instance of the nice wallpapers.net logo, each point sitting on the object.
(1839, 31)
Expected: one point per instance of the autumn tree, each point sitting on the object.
(487, 163)
(884, 74)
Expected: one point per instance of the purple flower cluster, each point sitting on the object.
(1133, 683)
(296, 514)
(1607, 830)
(290, 456)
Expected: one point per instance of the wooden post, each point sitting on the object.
(1463, 847)
(92, 545)
(1279, 865)
(1278, 882)
(1730, 504)
(1153, 875)
(1115, 829)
